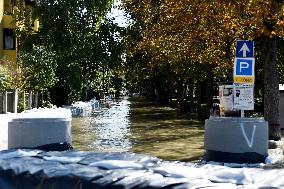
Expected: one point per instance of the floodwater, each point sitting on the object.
(139, 126)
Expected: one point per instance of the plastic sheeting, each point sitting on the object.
(28, 169)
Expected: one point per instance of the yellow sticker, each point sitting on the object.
(243, 79)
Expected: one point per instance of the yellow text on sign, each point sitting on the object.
(244, 79)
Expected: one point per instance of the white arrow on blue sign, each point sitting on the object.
(245, 49)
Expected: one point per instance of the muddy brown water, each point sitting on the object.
(140, 126)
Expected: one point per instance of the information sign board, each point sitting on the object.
(243, 96)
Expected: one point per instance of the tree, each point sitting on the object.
(271, 80)
(5, 77)
(78, 40)
(204, 33)
(9, 75)
(38, 67)
(109, 55)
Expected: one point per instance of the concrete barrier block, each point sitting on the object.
(33, 132)
(4, 121)
(236, 135)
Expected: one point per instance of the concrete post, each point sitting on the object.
(36, 100)
(16, 100)
(5, 102)
(30, 102)
(24, 100)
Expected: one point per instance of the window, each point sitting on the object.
(30, 2)
(9, 39)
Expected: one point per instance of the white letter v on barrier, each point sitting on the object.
(249, 142)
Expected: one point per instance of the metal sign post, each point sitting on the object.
(244, 76)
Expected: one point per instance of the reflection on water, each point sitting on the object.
(107, 130)
(140, 126)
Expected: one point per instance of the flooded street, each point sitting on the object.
(137, 125)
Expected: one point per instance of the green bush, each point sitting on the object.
(5, 78)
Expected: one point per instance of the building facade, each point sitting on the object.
(8, 39)
(9, 10)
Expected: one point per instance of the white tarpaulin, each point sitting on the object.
(26, 168)
(243, 96)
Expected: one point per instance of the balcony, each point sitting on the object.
(9, 55)
(8, 21)
(36, 25)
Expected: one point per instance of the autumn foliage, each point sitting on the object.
(182, 36)
(200, 31)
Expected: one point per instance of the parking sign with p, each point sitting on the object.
(244, 70)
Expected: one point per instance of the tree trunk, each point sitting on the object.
(209, 90)
(271, 80)
(190, 93)
(103, 80)
(180, 89)
(271, 87)
(198, 94)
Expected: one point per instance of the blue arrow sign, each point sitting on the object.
(245, 49)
